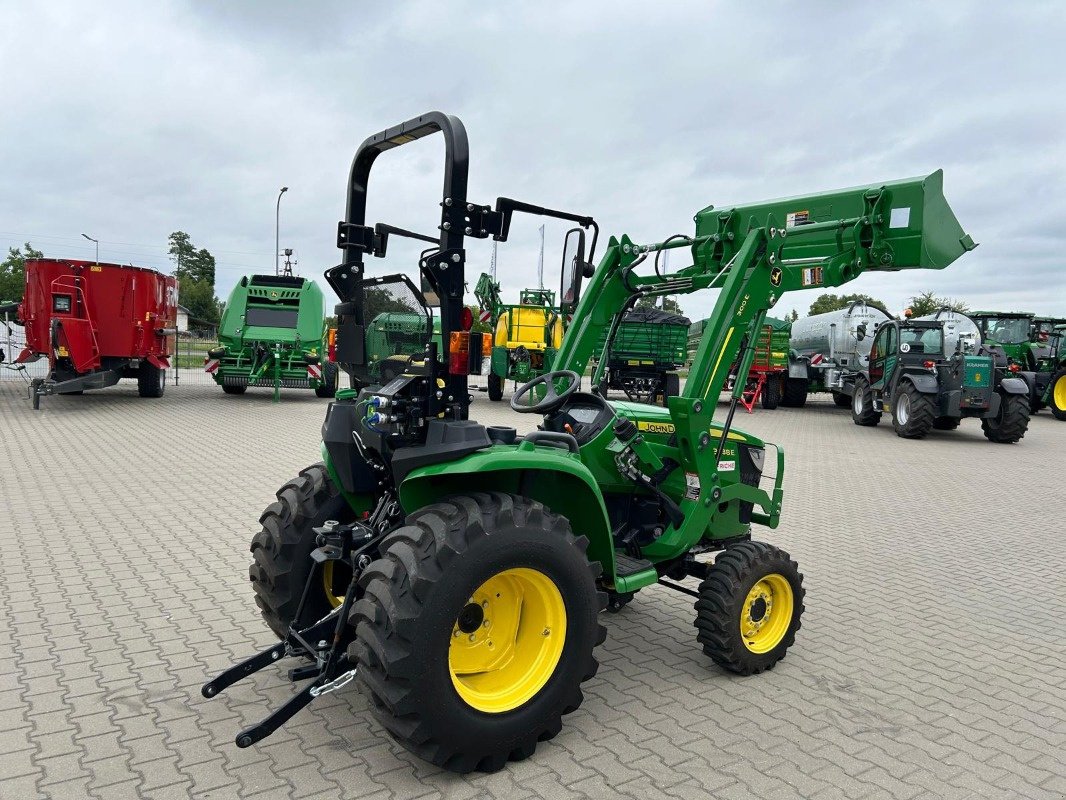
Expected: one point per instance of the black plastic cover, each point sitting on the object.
(446, 440)
(352, 470)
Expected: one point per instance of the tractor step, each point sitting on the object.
(633, 573)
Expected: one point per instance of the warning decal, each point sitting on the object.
(797, 218)
(812, 276)
(692, 486)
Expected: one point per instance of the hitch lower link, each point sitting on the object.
(323, 643)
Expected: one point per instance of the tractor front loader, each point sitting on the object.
(455, 572)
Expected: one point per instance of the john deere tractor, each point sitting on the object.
(1008, 338)
(1053, 363)
(455, 572)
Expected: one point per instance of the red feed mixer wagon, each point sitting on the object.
(97, 324)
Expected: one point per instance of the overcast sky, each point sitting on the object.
(128, 120)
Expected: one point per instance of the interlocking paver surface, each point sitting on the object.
(930, 663)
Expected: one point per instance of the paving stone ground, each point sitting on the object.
(930, 663)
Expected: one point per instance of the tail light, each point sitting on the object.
(459, 353)
(928, 364)
(1014, 368)
(466, 318)
(331, 349)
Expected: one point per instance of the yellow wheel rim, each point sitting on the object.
(507, 640)
(766, 614)
(1060, 393)
(328, 587)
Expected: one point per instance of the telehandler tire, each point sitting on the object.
(947, 423)
(771, 394)
(330, 380)
(1012, 421)
(913, 412)
(749, 607)
(1058, 395)
(495, 387)
(281, 551)
(234, 388)
(476, 629)
(795, 393)
(863, 411)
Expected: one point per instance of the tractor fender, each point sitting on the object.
(924, 383)
(1014, 386)
(549, 475)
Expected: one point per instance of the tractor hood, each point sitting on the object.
(655, 420)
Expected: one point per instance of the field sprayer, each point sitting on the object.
(455, 571)
(273, 333)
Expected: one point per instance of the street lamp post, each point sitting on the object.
(97, 243)
(277, 232)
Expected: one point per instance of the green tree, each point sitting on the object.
(192, 263)
(13, 271)
(666, 303)
(825, 303)
(929, 303)
(795, 315)
(199, 298)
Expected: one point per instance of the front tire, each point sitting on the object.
(749, 607)
(863, 411)
(281, 551)
(1057, 395)
(495, 387)
(913, 413)
(460, 693)
(1010, 425)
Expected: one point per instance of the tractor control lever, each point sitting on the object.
(638, 452)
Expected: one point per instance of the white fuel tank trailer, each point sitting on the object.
(957, 328)
(843, 338)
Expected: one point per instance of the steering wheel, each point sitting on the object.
(552, 399)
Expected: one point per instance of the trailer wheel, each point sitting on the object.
(946, 423)
(1058, 395)
(151, 381)
(771, 393)
(795, 393)
(495, 387)
(1011, 423)
(749, 607)
(671, 385)
(281, 551)
(913, 413)
(330, 380)
(841, 400)
(235, 388)
(476, 629)
(863, 411)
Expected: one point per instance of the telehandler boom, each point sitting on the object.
(456, 571)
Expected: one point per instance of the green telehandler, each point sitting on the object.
(455, 571)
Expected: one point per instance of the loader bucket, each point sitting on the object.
(917, 228)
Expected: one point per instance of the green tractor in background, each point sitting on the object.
(1053, 362)
(273, 333)
(1011, 339)
(455, 572)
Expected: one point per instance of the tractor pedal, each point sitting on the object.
(624, 565)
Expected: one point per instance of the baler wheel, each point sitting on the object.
(281, 551)
(913, 412)
(1012, 421)
(234, 388)
(863, 411)
(475, 629)
(151, 381)
(749, 607)
(1058, 395)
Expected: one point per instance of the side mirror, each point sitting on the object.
(430, 294)
(573, 270)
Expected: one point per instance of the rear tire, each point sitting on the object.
(946, 423)
(913, 413)
(863, 411)
(234, 388)
(151, 381)
(749, 607)
(422, 646)
(841, 400)
(330, 379)
(795, 393)
(281, 551)
(771, 393)
(1012, 421)
(495, 387)
(1057, 395)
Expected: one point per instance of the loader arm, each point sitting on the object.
(488, 297)
(753, 255)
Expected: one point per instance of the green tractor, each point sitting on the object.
(1053, 363)
(1008, 337)
(399, 326)
(273, 333)
(922, 372)
(455, 572)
